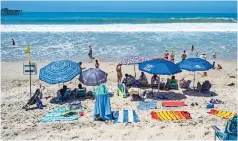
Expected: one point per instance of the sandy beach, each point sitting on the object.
(18, 124)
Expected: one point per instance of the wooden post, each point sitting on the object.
(30, 75)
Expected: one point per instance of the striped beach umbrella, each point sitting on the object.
(59, 71)
(93, 77)
(132, 60)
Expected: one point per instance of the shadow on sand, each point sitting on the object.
(168, 96)
(190, 92)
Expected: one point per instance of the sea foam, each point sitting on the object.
(169, 27)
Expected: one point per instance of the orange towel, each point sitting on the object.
(170, 115)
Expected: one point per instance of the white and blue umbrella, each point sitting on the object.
(59, 71)
(93, 77)
(195, 64)
(132, 60)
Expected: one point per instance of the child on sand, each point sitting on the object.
(96, 64)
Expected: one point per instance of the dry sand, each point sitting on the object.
(18, 124)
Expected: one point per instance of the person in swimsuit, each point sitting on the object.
(166, 54)
(184, 55)
(172, 55)
(192, 48)
(214, 55)
(119, 73)
(90, 53)
(81, 68)
(96, 64)
(13, 42)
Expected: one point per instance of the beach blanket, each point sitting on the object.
(173, 103)
(222, 114)
(125, 116)
(170, 115)
(146, 105)
(57, 114)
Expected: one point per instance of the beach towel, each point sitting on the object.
(102, 107)
(170, 115)
(57, 115)
(222, 114)
(173, 103)
(146, 105)
(101, 89)
(125, 116)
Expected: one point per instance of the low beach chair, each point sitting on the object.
(185, 84)
(65, 97)
(81, 92)
(230, 132)
(121, 90)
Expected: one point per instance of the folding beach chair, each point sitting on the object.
(230, 132)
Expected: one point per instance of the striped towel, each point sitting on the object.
(223, 114)
(125, 116)
(170, 115)
(56, 115)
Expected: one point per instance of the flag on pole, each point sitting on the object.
(28, 51)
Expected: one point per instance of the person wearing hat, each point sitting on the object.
(203, 56)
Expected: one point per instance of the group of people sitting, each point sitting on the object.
(65, 92)
(130, 81)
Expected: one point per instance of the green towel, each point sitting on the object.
(101, 89)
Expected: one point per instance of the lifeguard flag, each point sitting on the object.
(27, 50)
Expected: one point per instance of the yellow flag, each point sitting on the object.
(27, 50)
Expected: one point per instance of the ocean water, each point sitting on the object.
(57, 36)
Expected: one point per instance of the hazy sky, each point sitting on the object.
(124, 6)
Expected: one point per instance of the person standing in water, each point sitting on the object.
(119, 73)
(172, 56)
(192, 49)
(166, 54)
(90, 52)
(184, 55)
(13, 42)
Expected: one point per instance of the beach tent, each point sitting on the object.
(195, 64)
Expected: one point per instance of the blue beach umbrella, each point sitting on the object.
(93, 77)
(195, 64)
(132, 60)
(159, 66)
(59, 71)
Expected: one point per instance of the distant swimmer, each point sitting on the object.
(90, 53)
(13, 42)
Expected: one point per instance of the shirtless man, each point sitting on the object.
(119, 73)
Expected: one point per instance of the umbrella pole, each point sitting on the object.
(135, 69)
(193, 81)
(30, 77)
